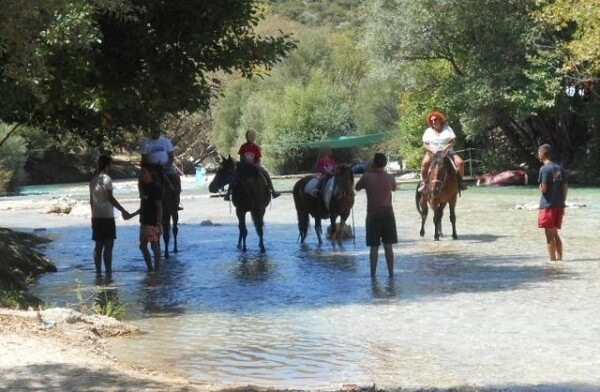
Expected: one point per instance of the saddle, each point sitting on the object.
(321, 187)
(250, 171)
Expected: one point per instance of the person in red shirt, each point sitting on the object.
(250, 153)
(325, 165)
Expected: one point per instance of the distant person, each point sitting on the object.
(150, 212)
(553, 186)
(102, 203)
(381, 222)
(158, 150)
(250, 153)
(440, 137)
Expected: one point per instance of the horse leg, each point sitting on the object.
(436, 222)
(318, 230)
(241, 215)
(257, 217)
(175, 230)
(166, 229)
(453, 220)
(442, 208)
(424, 212)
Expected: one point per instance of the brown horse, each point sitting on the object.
(441, 189)
(249, 193)
(170, 213)
(341, 203)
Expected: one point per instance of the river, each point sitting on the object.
(486, 310)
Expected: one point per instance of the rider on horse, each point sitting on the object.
(250, 153)
(158, 150)
(325, 168)
(440, 137)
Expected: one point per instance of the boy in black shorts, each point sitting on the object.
(103, 203)
(381, 222)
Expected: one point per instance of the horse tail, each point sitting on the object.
(418, 199)
(301, 209)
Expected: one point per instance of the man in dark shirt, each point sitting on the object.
(553, 186)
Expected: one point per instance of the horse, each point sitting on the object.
(249, 193)
(170, 212)
(341, 203)
(442, 188)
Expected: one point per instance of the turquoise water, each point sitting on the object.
(311, 317)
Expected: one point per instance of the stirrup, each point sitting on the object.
(275, 194)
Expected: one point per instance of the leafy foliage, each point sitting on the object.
(320, 90)
(13, 155)
(489, 65)
(103, 68)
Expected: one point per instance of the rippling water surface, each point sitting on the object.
(487, 309)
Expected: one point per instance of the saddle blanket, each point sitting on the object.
(312, 185)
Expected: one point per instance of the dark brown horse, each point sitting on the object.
(441, 189)
(249, 193)
(341, 203)
(170, 213)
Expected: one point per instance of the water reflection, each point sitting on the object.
(253, 268)
(163, 292)
(386, 289)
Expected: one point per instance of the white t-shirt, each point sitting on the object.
(101, 206)
(438, 140)
(157, 150)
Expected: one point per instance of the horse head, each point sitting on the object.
(344, 181)
(224, 175)
(439, 171)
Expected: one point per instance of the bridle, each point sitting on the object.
(438, 160)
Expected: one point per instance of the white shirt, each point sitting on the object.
(438, 140)
(157, 150)
(101, 206)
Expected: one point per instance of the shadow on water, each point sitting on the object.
(479, 237)
(72, 377)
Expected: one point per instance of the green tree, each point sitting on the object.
(486, 64)
(98, 70)
(13, 155)
(322, 89)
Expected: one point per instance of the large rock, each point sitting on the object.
(19, 259)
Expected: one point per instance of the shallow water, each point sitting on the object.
(485, 310)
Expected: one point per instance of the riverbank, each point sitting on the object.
(63, 350)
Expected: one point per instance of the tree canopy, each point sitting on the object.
(97, 69)
(490, 65)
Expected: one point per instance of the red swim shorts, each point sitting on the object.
(551, 218)
(149, 233)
